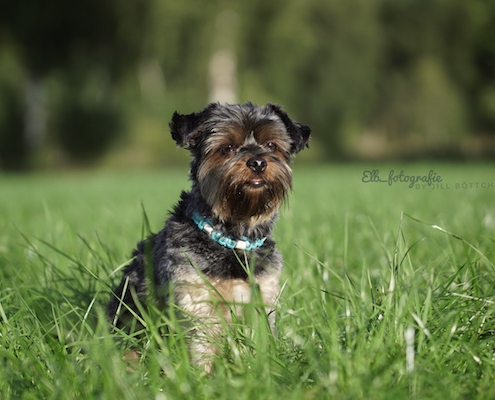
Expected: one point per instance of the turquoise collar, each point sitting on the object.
(225, 240)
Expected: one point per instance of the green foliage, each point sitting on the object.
(320, 60)
(403, 70)
(367, 278)
(413, 78)
(57, 41)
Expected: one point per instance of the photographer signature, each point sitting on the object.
(373, 176)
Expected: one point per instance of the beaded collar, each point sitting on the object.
(225, 240)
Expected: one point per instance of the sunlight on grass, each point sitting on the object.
(387, 292)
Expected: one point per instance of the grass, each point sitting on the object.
(388, 291)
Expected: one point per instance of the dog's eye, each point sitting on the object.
(228, 149)
(271, 146)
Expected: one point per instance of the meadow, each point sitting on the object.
(388, 290)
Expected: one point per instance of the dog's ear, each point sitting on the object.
(187, 129)
(298, 133)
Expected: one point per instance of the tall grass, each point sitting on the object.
(388, 292)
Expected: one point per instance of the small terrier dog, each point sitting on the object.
(240, 175)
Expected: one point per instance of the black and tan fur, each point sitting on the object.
(240, 175)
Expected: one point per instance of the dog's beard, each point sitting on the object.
(237, 194)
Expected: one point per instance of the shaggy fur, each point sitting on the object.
(240, 175)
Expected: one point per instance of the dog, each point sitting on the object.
(222, 228)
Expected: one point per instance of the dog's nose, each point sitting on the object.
(256, 164)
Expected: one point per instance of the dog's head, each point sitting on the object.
(241, 156)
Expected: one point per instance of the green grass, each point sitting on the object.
(372, 273)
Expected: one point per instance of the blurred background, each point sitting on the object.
(95, 82)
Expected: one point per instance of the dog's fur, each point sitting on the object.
(240, 175)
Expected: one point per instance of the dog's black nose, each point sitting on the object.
(257, 164)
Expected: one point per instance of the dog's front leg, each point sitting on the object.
(202, 322)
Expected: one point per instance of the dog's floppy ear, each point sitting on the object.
(298, 133)
(187, 129)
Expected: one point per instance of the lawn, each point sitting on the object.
(388, 290)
